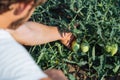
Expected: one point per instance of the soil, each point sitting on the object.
(81, 74)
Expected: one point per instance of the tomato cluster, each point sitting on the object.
(84, 46)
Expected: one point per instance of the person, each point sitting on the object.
(15, 62)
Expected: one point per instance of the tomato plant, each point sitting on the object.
(97, 22)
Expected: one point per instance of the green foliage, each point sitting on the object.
(96, 21)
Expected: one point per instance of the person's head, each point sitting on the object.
(15, 12)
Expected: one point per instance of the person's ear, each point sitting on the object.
(20, 8)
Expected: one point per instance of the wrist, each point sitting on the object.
(60, 33)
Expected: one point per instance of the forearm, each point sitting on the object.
(43, 34)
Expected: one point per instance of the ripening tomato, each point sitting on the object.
(75, 46)
(108, 48)
(114, 49)
(84, 47)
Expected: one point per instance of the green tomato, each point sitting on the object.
(75, 46)
(108, 48)
(84, 47)
(100, 5)
(114, 49)
(111, 48)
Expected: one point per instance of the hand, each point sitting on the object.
(67, 39)
(55, 74)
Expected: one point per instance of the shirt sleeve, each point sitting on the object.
(15, 62)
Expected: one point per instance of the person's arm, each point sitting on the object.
(32, 33)
(42, 33)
